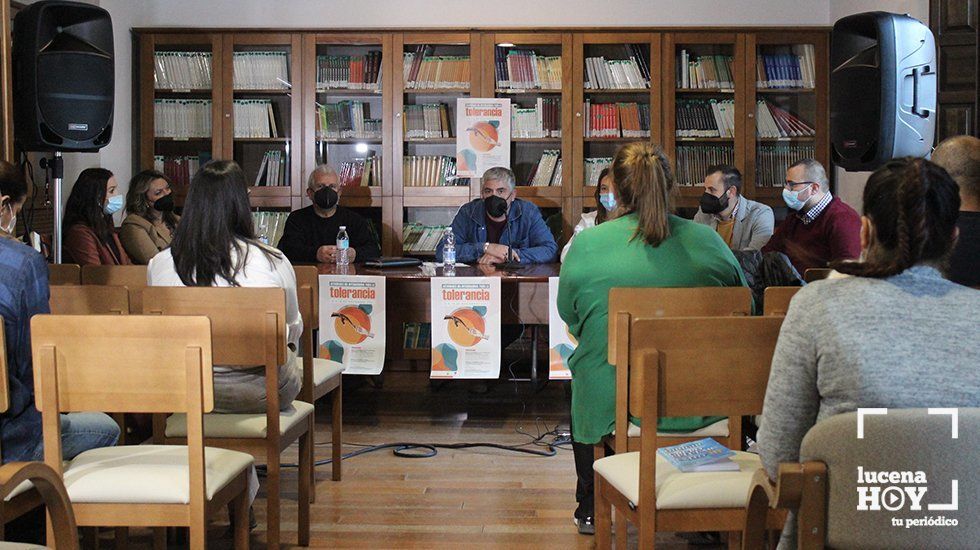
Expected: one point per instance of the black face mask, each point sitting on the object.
(326, 198)
(495, 206)
(164, 204)
(711, 204)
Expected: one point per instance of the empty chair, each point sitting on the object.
(64, 274)
(777, 298)
(89, 300)
(132, 277)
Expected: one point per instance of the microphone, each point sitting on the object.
(509, 265)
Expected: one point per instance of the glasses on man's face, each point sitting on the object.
(790, 184)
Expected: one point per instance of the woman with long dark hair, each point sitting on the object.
(892, 334)
(215, 245)
(90, 236)
(150, 220)
(644, 246)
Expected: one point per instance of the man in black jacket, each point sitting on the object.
(310, 235)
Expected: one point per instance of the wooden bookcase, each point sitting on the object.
(389, 203)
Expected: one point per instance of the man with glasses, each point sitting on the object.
(486, 228)
(821, 228)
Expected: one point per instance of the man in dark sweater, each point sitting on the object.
(960, 156)
(822, 228)
(310, 235)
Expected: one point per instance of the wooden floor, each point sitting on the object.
(474, 498)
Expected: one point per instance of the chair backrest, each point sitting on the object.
(308, 277)
(776, 299)
(64, 274)
(702, 366)
(673, 302)
(903, 440)
(89, 300)
(248, 325)
(816, 274)
(132, 277)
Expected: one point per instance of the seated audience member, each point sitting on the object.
(894, 334)
(742, 224)
(605, 198)
(310, 235)
(216, 246)
(23, 294)
(960, 156)
(822, 229)
(484, 228)
(645, 246)
(150, 219)
(90, 237)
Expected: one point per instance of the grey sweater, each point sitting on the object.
(909, 341)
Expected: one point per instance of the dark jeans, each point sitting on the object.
(585, 484)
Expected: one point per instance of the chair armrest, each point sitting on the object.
(785, 493)
(49, 484)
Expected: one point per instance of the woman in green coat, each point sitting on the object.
(645, 246)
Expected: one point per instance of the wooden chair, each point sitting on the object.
(40, 480)
(320, 376)
(816, 274)
(823, 489)
(89, 300)
(111, 362)
(691, 366)
(626, 304)
(776, 299)
(64, 274)
(248, 328)
(132, 277)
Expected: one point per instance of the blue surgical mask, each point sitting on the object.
(792, 199)
(114, 204)
(608, 201)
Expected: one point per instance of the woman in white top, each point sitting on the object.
(215, 245)
(606, 201)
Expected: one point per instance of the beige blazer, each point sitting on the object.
(142, 238)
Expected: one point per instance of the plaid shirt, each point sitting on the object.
(817, 209)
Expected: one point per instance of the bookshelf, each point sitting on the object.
(367, 119)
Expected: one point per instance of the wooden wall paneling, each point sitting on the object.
(955, 25)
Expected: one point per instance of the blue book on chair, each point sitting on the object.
(703, 455)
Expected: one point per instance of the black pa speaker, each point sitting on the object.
(64, 77)
(882, 89)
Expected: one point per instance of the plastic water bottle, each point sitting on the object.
(343, 245)
(449, 250)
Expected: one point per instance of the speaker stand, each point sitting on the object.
(57, 167)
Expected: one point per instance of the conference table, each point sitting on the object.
(524, 296)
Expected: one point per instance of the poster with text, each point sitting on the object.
(561, 342)
(482, 135)
(465, 327)
(352, 322)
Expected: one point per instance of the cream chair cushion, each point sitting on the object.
(246, 426)
(680, 490)
(152, 474)
(20, 546)
(325, 369)
(718, 429)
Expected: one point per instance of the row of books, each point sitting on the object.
(712, 118)
(541, 121)
(617, 74)
(417, 336)
(775, 122)
(182, 70)
(347, 120)
(429, 171)
(791, 68)
(614, 120)
(421, 238)
(349, 72)
(254, 118)
(422, 70)
(361, 172)
(180, 169)
(274, 170)
(547, 172)
(429, 120)
(593, 167)
(269, 226)
(182, 118)
(771, 161)
(705, 71)
(519, 69)
(693, 161)
(261, 70)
